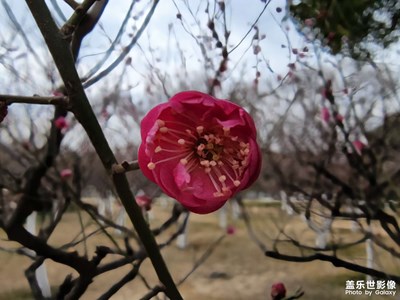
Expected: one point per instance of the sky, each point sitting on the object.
(241, 14)
(164, 55)
(157, 51)
(165, 52)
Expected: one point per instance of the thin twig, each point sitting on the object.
(55, 100)
(114, 43)
(203, 258)
(77, 16)
(126, 49)
(124, 280)
(250, 29)
(337, 262)
(153, 292)
(125, 166)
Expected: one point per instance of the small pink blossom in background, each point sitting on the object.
(57, 93)
(61, 123)
(104, 113)
(3, 111)
(325, 114)
(66, 173)
(278, 291)
(144, 201)
(339, 118)
(359, 146)
(214, 82)
(231, 230)
(200, 150)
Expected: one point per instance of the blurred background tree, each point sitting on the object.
(332, 149)
(350, 25)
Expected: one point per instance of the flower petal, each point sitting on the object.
(181, 176)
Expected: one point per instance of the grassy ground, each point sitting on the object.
(237, 269)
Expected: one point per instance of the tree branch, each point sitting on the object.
(119, 284)
(80, 12)
(125, 166)
(86, 25)
(337, 262)
(56, 100)
(126, 50)
(72, 259)
(82, 110)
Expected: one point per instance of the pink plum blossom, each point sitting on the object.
(339, 118)
(358, 146)
(200, 150)
(325, 114)
(144, 201)
(231, 230)
(61, 123)
(278, 291)
(66, 173)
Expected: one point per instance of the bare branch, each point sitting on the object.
(113, 45)
(86, 25)
(125, 166)
(251, 28)
(55, 100)
(76, 18)
(337, 262)
(119, 284)
(126, 50)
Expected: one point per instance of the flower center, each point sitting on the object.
(221, 156)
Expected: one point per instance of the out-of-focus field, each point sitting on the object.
(237, 269)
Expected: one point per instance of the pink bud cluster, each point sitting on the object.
(61, 123)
